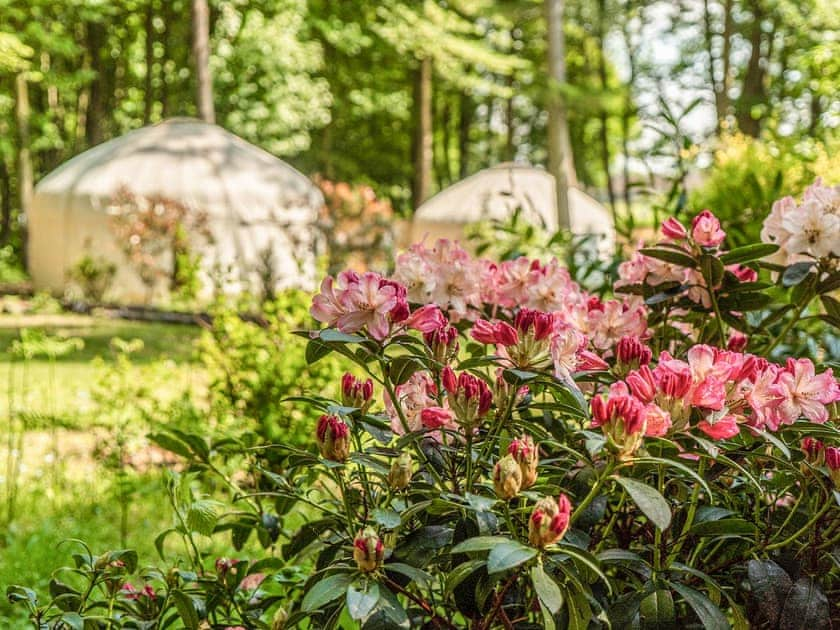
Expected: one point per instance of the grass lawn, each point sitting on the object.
(56, 404)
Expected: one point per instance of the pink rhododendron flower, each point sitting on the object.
(436, 417)
(720, 428)
(673, 229)
(426, 319)
(657, 421)
(416, 394)
(705, 230)
(499, 333)
(805, 393)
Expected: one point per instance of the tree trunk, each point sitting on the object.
(422, 133)
(25, 177)
(96, 99)
(149, 96)
(560, 162)
(465, 117)
(753, 89)
(603, 118)
(201, 57)
(166, 14)
(5, 203)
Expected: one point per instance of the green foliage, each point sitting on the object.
(748, 175)
(94, 277)
(254, 367)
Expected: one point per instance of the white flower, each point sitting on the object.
(813, 230)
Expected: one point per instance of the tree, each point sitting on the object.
(560, 160)
(201, 54)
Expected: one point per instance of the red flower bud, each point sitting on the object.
(549, 521)
(333, 436)
(368, 550)
(631, 352)
(642, 384)
(672, 228)
(356, 393)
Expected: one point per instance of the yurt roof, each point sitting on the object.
(196, 163)
(496, 192)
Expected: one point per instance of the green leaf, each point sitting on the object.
(769, 587)
(745, 301)
(201, 517)
(160, 539)
(325, 591)
(712, 269)
(336, 336)
(657, 611)
(547, 589)
(401, 368)
(710, 615)
(748, 253)
(724, 527)
(480, 543)
(16, 593)
(418, 576)
(461, 573)
(171, 443)
(360, 603)
(518, 377)
(387, 518)
(796, 273)
(508, 555)
(388, 614)
(670, 255)
(186, 609)
(653, 504)
(315, 351)
(74, 621)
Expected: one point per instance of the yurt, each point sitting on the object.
(496, 193)
(258, 214)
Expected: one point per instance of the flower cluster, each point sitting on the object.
(807, 230)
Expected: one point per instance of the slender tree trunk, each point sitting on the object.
(603, 118)
(446, 139)
(164, 39)
(96, 99)
(5, 203)
(423, 136)
(25, 177)
(466, 111)
(201, 57)
(149, 96)
(753, 89)
(560, 162)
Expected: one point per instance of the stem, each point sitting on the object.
(436, 619)
(593, 492)
(826, 505)
(718, 319)
(689, 519)
(778, 339)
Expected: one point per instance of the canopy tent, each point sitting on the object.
(258, 211)
(496, 193)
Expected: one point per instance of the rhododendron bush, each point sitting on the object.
(513, 452)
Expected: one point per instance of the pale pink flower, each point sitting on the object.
(416, 394)
(813, 231)
(805, 393)
(657, 421)
(763, 398)
(706, 231)
(565, 343)
(367, 304)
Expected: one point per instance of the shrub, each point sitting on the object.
(511, 451)
(94, 277)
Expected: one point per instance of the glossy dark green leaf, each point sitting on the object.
(656, 611)
(331, 335)
(723, 527)
(547, 589)
(401, 368)
(709, 614)
(361, 601)
(508, 555)
(649, 500)
(389, 519)
(326, 590)
(186, 609)
(748, 253)
(670, 255)
(480, 543)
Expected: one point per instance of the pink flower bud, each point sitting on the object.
(832, 461)
(744, 274)
(814, 451)
(526, 454)
(632, 353)
(449, 380)
(642, 384)
(737, 341)
(671, 228)
(426, 319)
(705, 230)
(549, 521)
(507, 478)
(333, 437)
(368, 550)
(355, 392)
(536, 322)
(500, 333)
(436, 417)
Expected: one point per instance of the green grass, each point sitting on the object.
(59, 400)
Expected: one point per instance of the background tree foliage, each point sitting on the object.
(411, 96)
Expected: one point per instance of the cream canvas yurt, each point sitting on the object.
(257, 211)
(496, 193)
